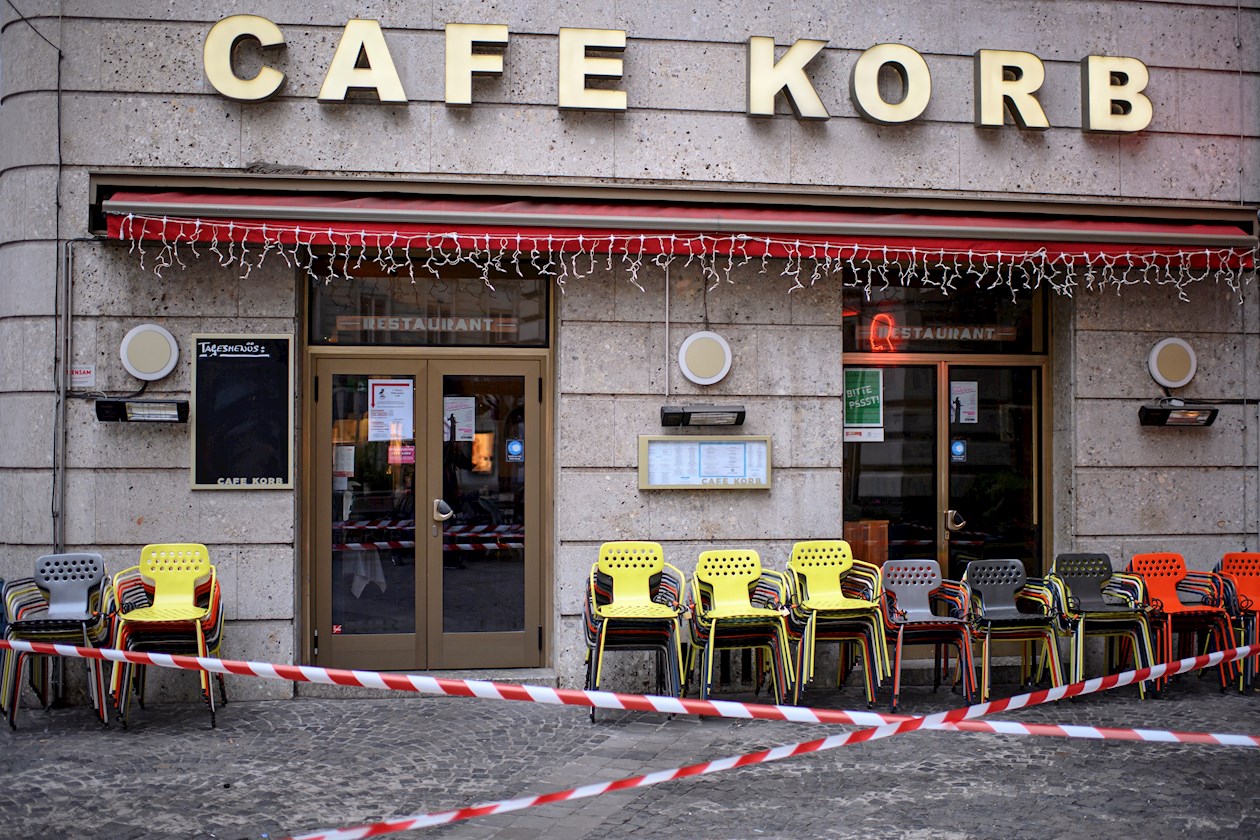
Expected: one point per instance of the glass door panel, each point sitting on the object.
(486, 611)
(994, 427)
(483, 481)
(894, 480)
(368, 583)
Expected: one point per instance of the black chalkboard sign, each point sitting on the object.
(242, 412)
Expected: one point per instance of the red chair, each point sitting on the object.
(1241, 570)
(1164, 577)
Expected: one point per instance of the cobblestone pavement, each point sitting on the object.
(274, 768)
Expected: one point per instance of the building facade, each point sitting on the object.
(927, 256)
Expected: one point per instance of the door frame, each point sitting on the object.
(943, 362)
(307, 496)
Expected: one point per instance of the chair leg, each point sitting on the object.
(896, 690)
(984, 679)
(18, 661)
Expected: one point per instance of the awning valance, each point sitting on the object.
(488, 231)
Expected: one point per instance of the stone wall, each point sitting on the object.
(1129, 488)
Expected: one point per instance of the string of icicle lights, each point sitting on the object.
(330, 254)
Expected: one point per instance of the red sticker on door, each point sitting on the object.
(336, 629)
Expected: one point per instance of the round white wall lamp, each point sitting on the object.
(149, 352)
(1172, 362)
(705, 357)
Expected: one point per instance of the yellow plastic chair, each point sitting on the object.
(724, 617)
(174, 569)
(633, 603)
(819, 569)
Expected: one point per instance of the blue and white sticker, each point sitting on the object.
(515, 450)
(958, 451)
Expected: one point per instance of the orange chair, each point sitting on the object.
(1161, 573)
(1241, 569)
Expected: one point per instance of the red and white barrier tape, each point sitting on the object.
(954, 719)
(605, 699)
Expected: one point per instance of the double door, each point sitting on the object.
(955, 471)
(425, 514)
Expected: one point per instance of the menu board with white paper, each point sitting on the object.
(677, 462)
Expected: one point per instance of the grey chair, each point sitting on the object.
(61, 603)
(997, 588)
(1081, 582)
(910, 589)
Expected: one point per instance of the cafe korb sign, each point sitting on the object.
(1005, 92)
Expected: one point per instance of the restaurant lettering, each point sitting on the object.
(423, 324)
(1006, 87)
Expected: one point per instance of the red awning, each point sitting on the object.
(322, 220)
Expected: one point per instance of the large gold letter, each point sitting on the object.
(362, 39)
(216, 56)
(1009, 78)
(576, 67)
(1111, 95)
(462, 62)
(766, 78)
(916, 84)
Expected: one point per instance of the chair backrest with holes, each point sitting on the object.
(69, 580)
(631, 566)
(912, 583)
(819, 566)
(1244, 568)
(1085, 575)
(729, 574)
(1160, 571)
(997, 582)
(175, 569)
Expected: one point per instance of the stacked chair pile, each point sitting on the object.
(634, 602)
(62, 603)
(736, 604)
(1095, 602)
(1006, 604)
(1161, 579)
(1239, 575)
(920, 607)
(170, 603)
(837, 598)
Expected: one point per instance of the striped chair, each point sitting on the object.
(1165, 580)
(634, 602)
(837, 598)
(169, 603)
(1239, 572)
(62, 603)
(1007, 605)
(1093, 606)
(735, 604)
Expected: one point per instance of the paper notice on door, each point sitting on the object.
(964, 402)
(459, 415)
(343, 461)
(390, 413)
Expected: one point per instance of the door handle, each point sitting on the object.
(953, 522)
(441, 511)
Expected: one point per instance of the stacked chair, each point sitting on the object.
(171, 603)
(915, 595)
(62, 603)
(837, 598)
(735, 605)
(1162, 578)
(634, 602)
(1093, 603)
(998, 589)
(1239, 572)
